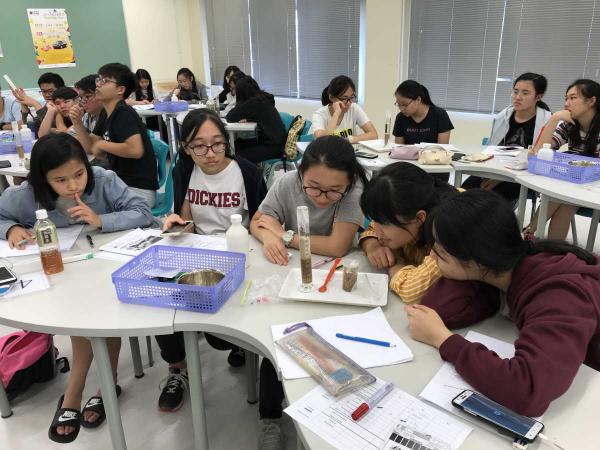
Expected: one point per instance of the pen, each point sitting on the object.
(90, 240)
(25, 241)
(364, 340)
(75, 258)
(322, 262)
(373, 401)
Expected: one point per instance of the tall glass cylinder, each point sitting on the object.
(304, 244)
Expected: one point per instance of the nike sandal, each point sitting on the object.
(64, 417)
(96, 405)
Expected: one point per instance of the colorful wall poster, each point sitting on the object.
(51, 38)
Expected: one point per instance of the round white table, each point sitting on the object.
(584, 195)
(82, 301)
(569, 419)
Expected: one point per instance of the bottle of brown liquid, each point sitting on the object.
(47, 240)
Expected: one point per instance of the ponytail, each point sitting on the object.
(555, 247)
(413, 90)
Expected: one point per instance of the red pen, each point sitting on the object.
(373, 401)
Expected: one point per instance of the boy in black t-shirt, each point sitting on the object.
(120, 134)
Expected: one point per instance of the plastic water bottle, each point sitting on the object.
(47, 240)
(546, 153)
(26, 138)
(237, 237)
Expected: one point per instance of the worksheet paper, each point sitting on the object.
(66, 238)
(138, 240)
(28, 283)
(447, 383)
(329, 417)
(372, 325)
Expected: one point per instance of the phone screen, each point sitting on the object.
(481, 406)
(6, 276)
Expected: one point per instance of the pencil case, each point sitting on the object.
(331, 368)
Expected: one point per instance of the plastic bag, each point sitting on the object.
(263, 291)
(331, 368)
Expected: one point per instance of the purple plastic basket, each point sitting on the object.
(171, 107)
(9, 146)
(134, 287)
(560, 168)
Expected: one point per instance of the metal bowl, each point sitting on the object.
(201, 277)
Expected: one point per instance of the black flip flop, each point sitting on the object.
(96, 405)
(64, 417)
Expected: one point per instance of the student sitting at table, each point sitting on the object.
(227, 95)
(120, 134)
(92, 107)
(419, 120)
(340, 115)
(329, 181)
(256, 105)
(10, 111)
(56, 119)
(578, 127)
(398, 200)
(210, 184)
(549, 289)
(48, 83)
(143, 93)
(62, 181)
(187, 88)
(517, 125)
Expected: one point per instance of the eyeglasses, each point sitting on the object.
(403, 105)
(47, 91)
(101, 81)
(347, 99)
(202, 149)
(330, 194)
(86, 98)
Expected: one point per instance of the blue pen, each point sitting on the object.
(364, 340)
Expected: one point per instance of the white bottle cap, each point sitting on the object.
(41, 214)
(236, 218)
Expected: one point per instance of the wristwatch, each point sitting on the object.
(287, 237)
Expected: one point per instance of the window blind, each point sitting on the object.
(468, 52)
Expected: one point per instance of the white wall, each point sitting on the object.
(165, 35)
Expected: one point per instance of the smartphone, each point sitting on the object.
(178, 230)
(365, 155)
(457, 156)
(5, 163)
(507, 421)
(7, 276)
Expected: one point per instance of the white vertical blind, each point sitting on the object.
(260, 37)
(228, 31)
(272, 24)
(467, 52)
(328, 35)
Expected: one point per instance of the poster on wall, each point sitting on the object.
(51, 38)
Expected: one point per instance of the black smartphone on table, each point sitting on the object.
(365, 155)
(506, 421)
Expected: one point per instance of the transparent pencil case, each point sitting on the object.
(331, 368)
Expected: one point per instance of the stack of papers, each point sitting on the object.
(372, 325)
(143, 107)
(502, 150)
(329, 417)
(66, 238)
(138, 240)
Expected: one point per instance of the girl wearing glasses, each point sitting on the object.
(398, 200)
(419, 120)
(210, 184)
(329, 181)
(340, 115)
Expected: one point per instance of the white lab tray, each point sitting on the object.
(377, 145)
(371, 289)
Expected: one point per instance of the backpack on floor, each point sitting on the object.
(294, 133)
(27, 357)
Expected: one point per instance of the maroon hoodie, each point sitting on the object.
(555, 302)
